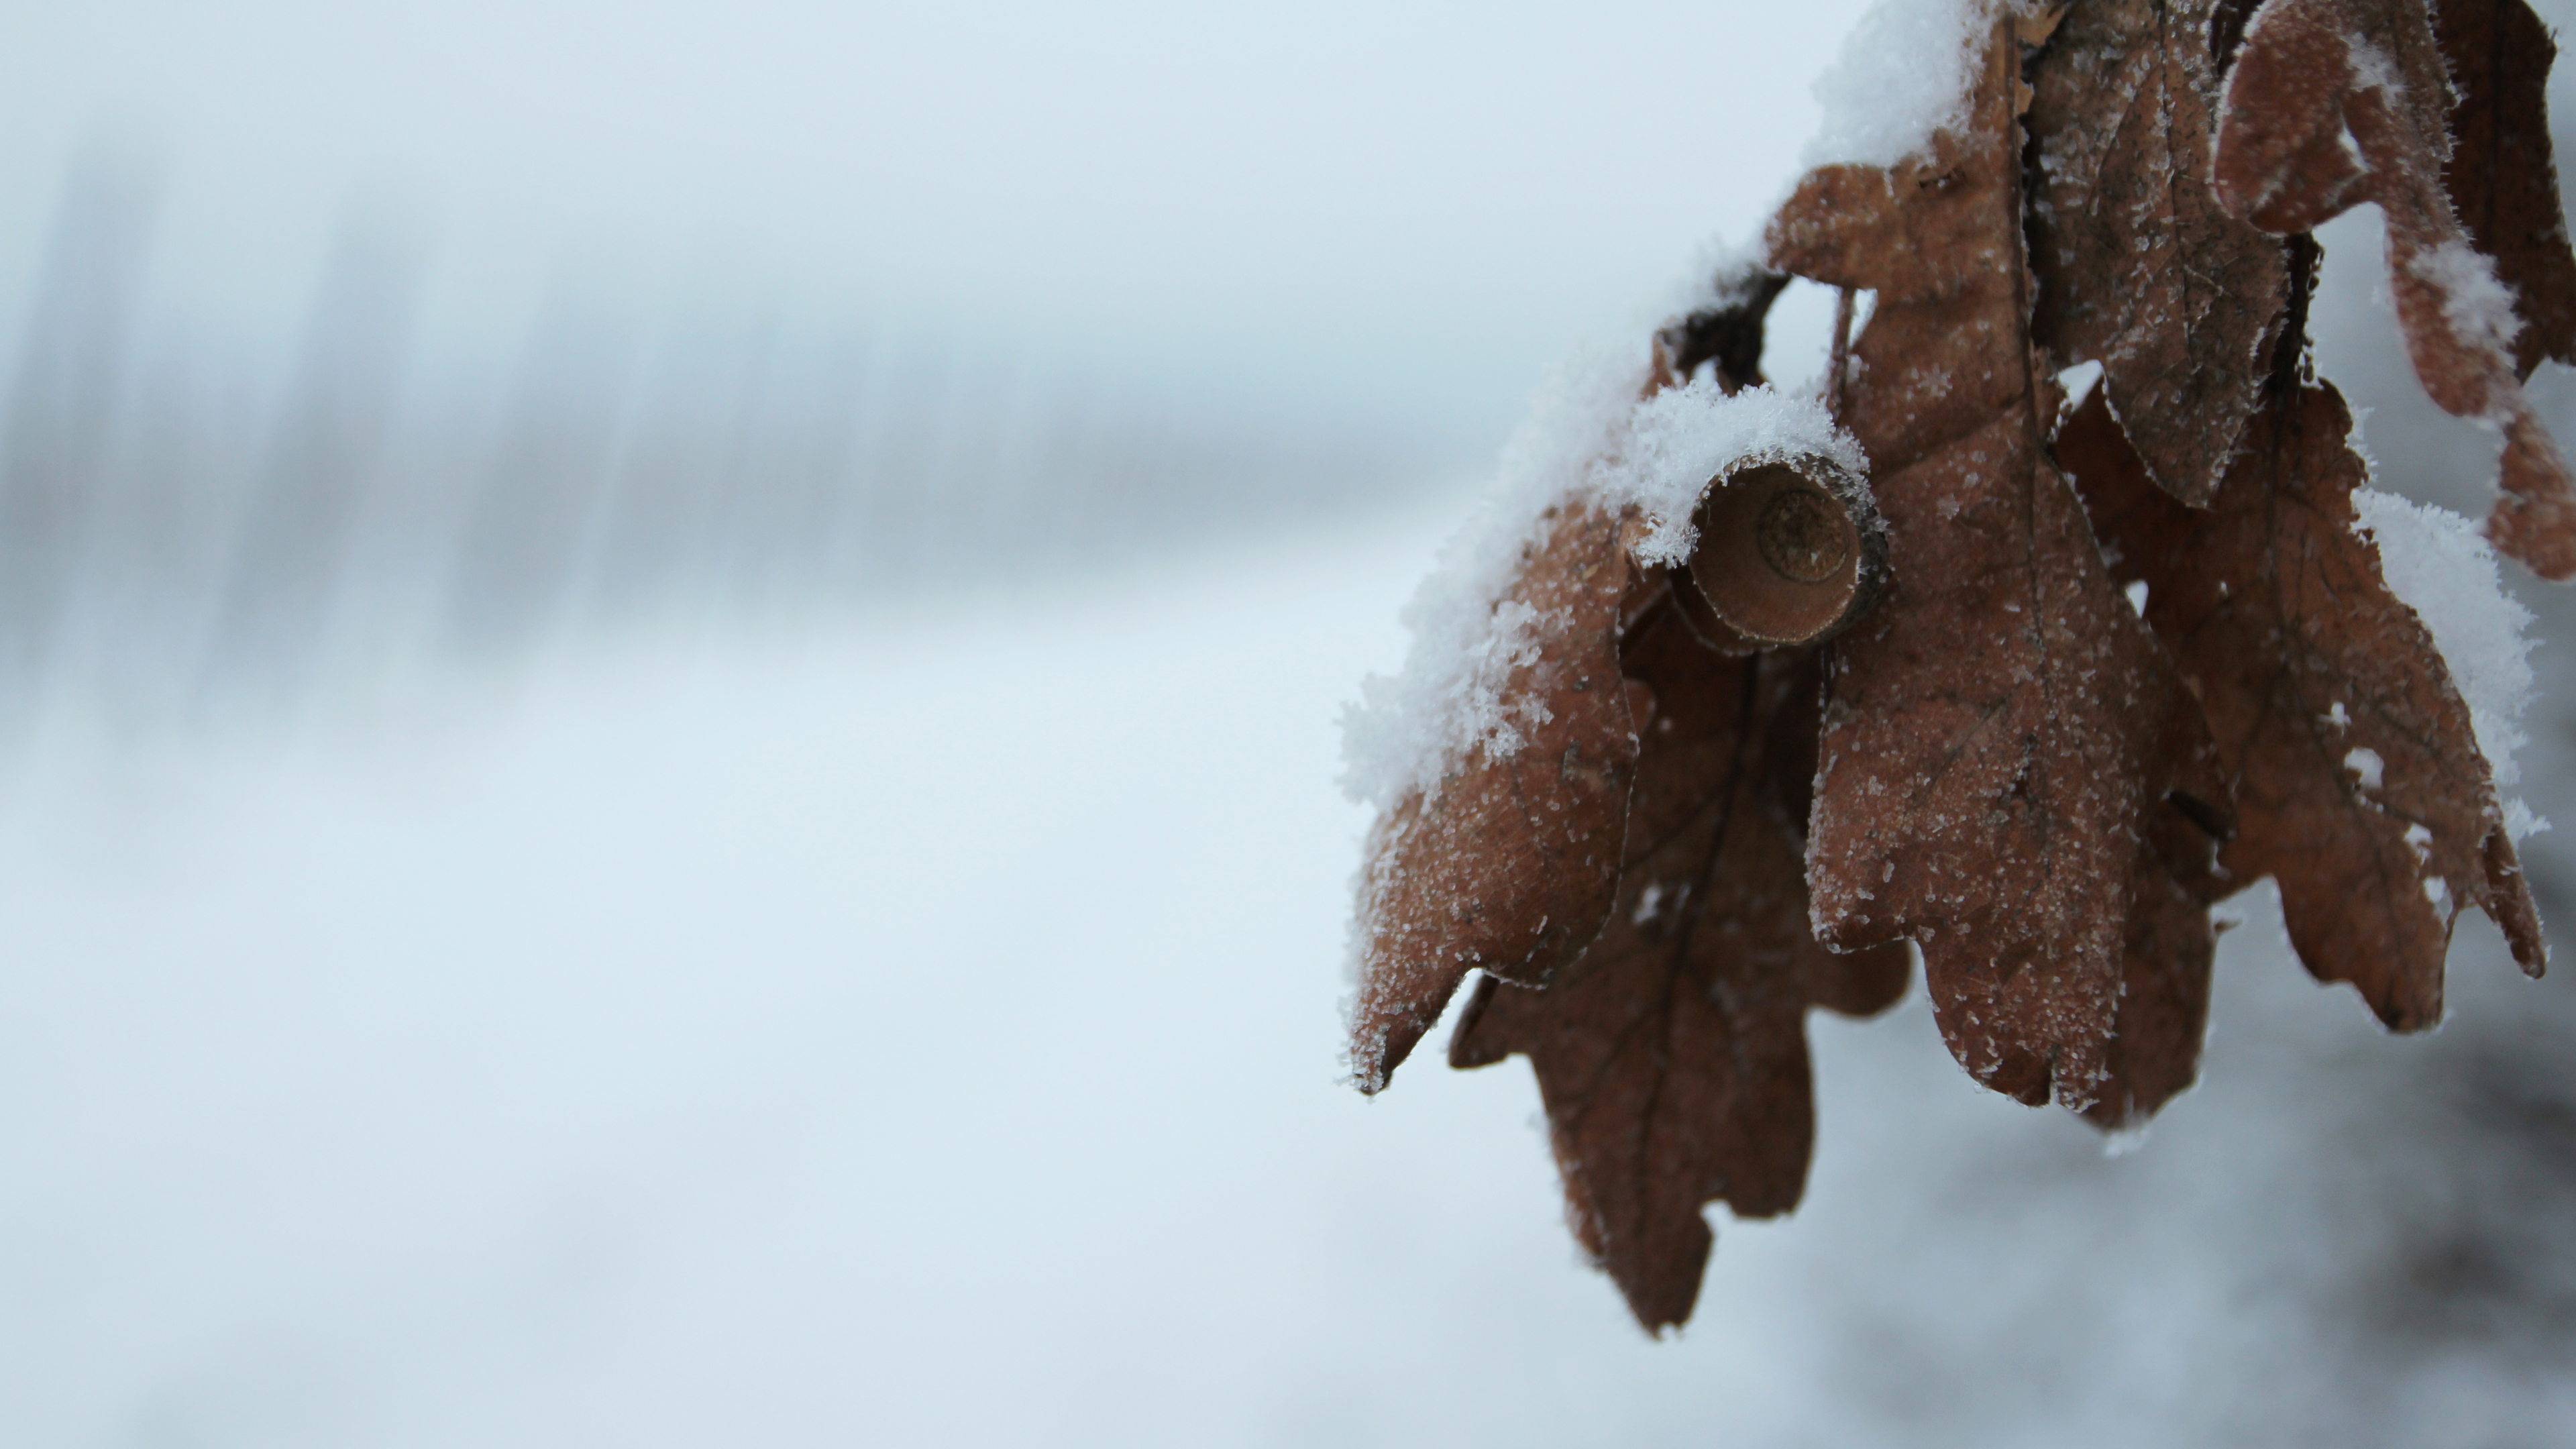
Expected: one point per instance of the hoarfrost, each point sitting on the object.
(2520, 820)
(2125, 1141)
(2372, 70)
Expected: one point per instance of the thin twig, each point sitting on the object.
(1840, 362)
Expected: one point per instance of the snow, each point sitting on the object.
(1586, 437)
(1451, 697)
(2436, 563)
(802, 1040)
(1903, 74)
(2077, 384)
(2476, 304)
(1685, 436)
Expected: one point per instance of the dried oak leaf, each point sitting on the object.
(2003, 736)
(1510, 861)
(2168, 944)
(2503, 175)
(2139, 267)
(1672, 1056)
(2166, 952)
(2359, 786)
(2334, 102)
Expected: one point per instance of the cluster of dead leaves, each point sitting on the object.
(2004, 761)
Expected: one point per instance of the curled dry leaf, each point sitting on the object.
(1672, 1057)
(1510, 861)
(2002, 731)
(2139, 267)
(2502, 176)
(2358, 784)
(2334, 102)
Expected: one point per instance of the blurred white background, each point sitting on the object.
(666, 775)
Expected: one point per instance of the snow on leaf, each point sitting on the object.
(2433, 560)
(1465, 688)
(1509, 859)
(1904, 74)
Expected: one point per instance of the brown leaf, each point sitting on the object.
(1672, 1057)
(2284, 157)
(2139, 267)
(2335, 102)
(2163, 1015)
(2503, 176)
(1508, 864)
(2358, 784)
(2169, 943)
(2002, 734)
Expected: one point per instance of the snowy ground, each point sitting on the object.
(920, 1030)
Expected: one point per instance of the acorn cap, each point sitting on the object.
(1789, 553)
